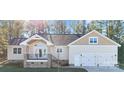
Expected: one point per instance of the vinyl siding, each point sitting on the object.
(12, 56)
(101, 40)
(62, 56)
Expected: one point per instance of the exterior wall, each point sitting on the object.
(101, 40)
(12, 56)
(95, 49)
(62, 56)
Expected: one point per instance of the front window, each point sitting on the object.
(17, 50)
(93, 40)
(59, 50)
(14, 50)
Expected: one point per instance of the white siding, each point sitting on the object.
(92, 49)
(62, 56)
(12, 56)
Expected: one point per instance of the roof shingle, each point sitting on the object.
(64, 39)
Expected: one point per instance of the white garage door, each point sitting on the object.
(94, 59)
(88, 60)
(77, 60)
(107, 59)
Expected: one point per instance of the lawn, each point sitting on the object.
(121, 66)
(16, 68)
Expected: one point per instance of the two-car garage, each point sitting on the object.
(84, 55)
(93, 49)
(94, 59)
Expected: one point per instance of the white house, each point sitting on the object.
(92, 49)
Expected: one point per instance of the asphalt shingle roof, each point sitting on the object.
(16, 41)
(64, 39)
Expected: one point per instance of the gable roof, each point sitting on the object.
(36, 37)
(64, 39)
(98, 34)
(56, 39)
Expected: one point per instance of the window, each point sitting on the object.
(44, 51)
(93, 40)
(17, 50)
(14, 50)
(59, 50)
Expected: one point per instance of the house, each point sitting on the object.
(92, 49)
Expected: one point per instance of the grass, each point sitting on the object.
(17, 68)
(121, 66)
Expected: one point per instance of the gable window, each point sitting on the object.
(17, 50)
(93, 40)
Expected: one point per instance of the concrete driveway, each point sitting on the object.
(102, 69)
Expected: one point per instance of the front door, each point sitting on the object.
(40, 53)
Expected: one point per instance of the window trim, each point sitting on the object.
(93, 42)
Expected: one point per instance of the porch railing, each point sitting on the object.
(36, 57)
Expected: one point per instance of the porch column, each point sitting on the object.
(25, 56)
(49, 56)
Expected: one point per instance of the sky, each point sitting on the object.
(69, 21)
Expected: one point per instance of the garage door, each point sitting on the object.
(84, 60)
(77, 60)
(88, 60)
(94, 59)
(107, 59)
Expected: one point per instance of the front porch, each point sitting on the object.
(37, 54)
(36, 57)
(36, 61)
